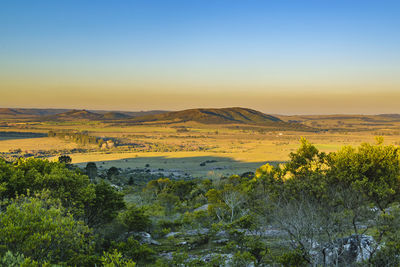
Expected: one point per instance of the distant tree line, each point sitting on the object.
(82, 138)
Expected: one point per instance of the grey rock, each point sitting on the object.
(167, 255)
(221, 241)
(348, 250)
(172, 234)
(202, 208)
(201, 231)
(145, 238)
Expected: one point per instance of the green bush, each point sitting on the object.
(292, 258)
(40, 229)
(135, 219)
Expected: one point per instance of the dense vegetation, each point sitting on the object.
(337, 209)
(82, 138)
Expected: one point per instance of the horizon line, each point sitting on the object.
(164, 110)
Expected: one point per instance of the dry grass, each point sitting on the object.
(236, 148)
(32, 144)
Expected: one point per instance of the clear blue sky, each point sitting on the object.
(180, 54)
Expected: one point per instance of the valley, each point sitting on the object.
(238, 139)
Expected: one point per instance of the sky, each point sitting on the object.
(276, 56)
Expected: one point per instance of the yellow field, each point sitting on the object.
(32, 144)
(234, 149)
(242, 148)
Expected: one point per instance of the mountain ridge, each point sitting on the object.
(74, 114)
(231, 115)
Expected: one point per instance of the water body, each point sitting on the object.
(20, 135)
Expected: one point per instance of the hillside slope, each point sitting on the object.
(9, 112)
(343, 122)
(235, 115)
(48, 114)
(29, 112)
(112, 115)
(73, 115)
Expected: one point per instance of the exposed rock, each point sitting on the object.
(145, 238)
(265, 232)
(349, 250)
(201, 231)
(167, 255)
(202, 208)
(172, 234)
(222, 233)
(226, 257)
(119, 188)
(221, 241)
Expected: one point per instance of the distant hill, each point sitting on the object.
(9, 112)
(73, 115)
(143, 113)
(234, 115)
(115, 116)
(391, 116)
(131, 113)
(343, 122)
(46, 114)
(30, 111)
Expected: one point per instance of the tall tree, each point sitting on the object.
(41, 229)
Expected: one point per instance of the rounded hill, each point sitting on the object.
(234, 115)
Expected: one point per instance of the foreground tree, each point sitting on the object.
(34, 175)
(115, 259)
(65, 159)
(104, 207)
(372, 170)
(135, 219)
(40, 228)
(327, 200)
(91, 170)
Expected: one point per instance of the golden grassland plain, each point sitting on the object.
(228, 149)
(34, 144)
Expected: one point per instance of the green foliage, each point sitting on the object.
(34, 175)
(91, 170)
(12, 260)
(292, 258)
(197, 219)
(135, 219)
(168, 201)
(245, 222)
(306, 160)
(170, 225)
(18, 260)
(305, 173)
(179, 258)
(132, 249)
(373, 170)
(115, 259)
(317, 199)
(41, 229)
(217, 260)
(65, 159)
(182, 189)
(111, 172)
(388, 230)
(227, 203)
(82, 138)
(158, 186)
(105, 205)
(258, 249)
(242, 259)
